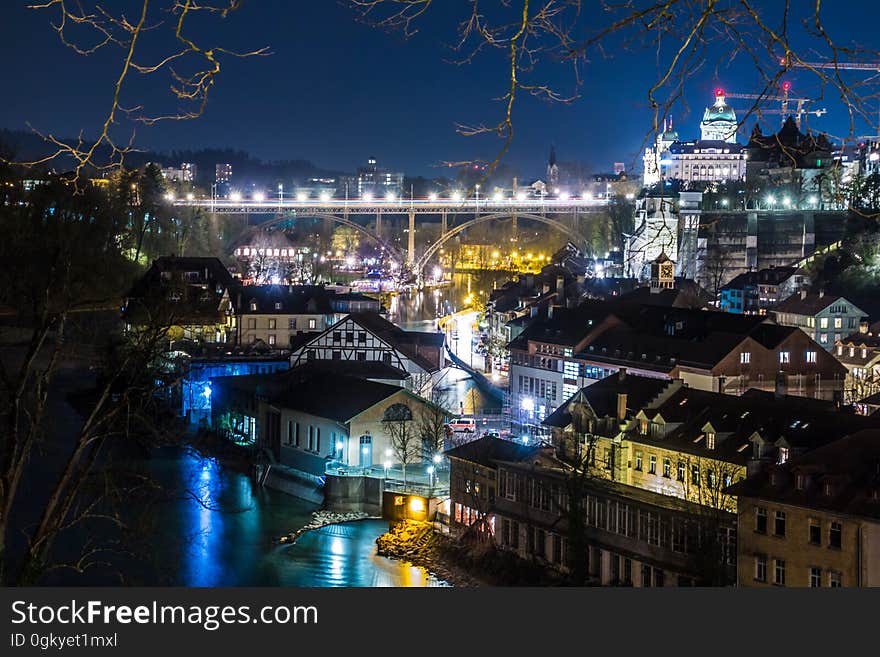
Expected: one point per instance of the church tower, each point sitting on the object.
(662, 273)
(552, 171)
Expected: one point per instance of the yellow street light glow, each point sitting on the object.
(234, 196)
(325, 196)
(301, 196)
(432, 197)
(416, 504)
(456, 196)
(169, 197)
(497, 197)
(389, 197)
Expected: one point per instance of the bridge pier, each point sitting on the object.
(411, 242)
(514, 228)
(444, 226)
(379, 224)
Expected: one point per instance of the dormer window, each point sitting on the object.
(840, 350)
(710, 440)
(800, 481)
(783, 454)
(828, 488)
(643, 427)
(277, 305)
(253, 305)
(864, 353)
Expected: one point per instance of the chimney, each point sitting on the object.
(621, 374)
(621, 406)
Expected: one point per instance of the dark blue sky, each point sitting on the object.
(335, 91)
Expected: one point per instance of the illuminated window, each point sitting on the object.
(811, 356)
(838, 322)
(823, 323)
(652, 464)
(815, 532)
(745, 357)
(835, 580)
(638, 461)
(784, 357)
(710, 440)
(667, 468)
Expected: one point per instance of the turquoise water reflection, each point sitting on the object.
(219, 530)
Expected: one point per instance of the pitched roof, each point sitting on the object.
(602, 396)
(416, 345)
(850, 465)
(290, 299)
(322, 394)
(487, 450)
(807, 304)
(362, 369)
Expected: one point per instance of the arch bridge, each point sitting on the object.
(469, 213)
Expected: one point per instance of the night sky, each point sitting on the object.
(335, 91)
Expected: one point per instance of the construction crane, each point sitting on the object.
(786, 62)
(784, 99)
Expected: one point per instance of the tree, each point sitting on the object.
(59, 265)
(527, 39)
(405, 440)
(431, 425)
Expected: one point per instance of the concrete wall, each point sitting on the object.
(348, 494)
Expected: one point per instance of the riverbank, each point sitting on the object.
(474, 563)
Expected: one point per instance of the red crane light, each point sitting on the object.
(786, 85)
(719, 92)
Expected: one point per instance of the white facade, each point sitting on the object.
(656, 232)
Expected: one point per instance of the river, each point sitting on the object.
(219, 529)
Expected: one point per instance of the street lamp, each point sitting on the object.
(280, 193)
(301, 197)
(325, 196)
(431, 475)
(259, 197)
(390, 197)
(235, 197)
(169, 197)
(432, 197)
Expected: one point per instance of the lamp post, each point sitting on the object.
(280, 194)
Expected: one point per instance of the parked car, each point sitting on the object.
(463, 425)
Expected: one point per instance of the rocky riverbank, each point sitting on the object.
(417, 543)
(320, 519)
(472, 563)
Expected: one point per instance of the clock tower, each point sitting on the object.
(662, 273)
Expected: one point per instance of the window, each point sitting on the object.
(761, 520)
(337, 355)
(811, 356)
(835, 580)
(745, 357)
(652, 464)
(710, 478)
(710, 440)
(570, 370)
(318, 439)
(639, 461)
(291, 323)
(695, 475)
(838, 322)
(761, 568)
(337, 336)
(667, 468)
(681, 470)
(272, 338)
(296, 433)
(349, 336)
(362, 337)
(311, 442)
(835, 534)
(779, 572)
(779, 524)
(273, 324)
(784, 357)
(783, 455)
(815, 532)
(290, 424)
(823, 323)
(815, 577)
(252, 323)
(362, 355)
(313, 324)
(823, 338)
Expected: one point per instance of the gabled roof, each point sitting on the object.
(361, 369)
(322, 394)
(807, 304)
(851, 465)
(602, 396)
(487, 450)
(410, 343)
(293, 300)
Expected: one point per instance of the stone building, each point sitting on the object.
(813, 521)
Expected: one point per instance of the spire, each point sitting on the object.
(552, 155)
